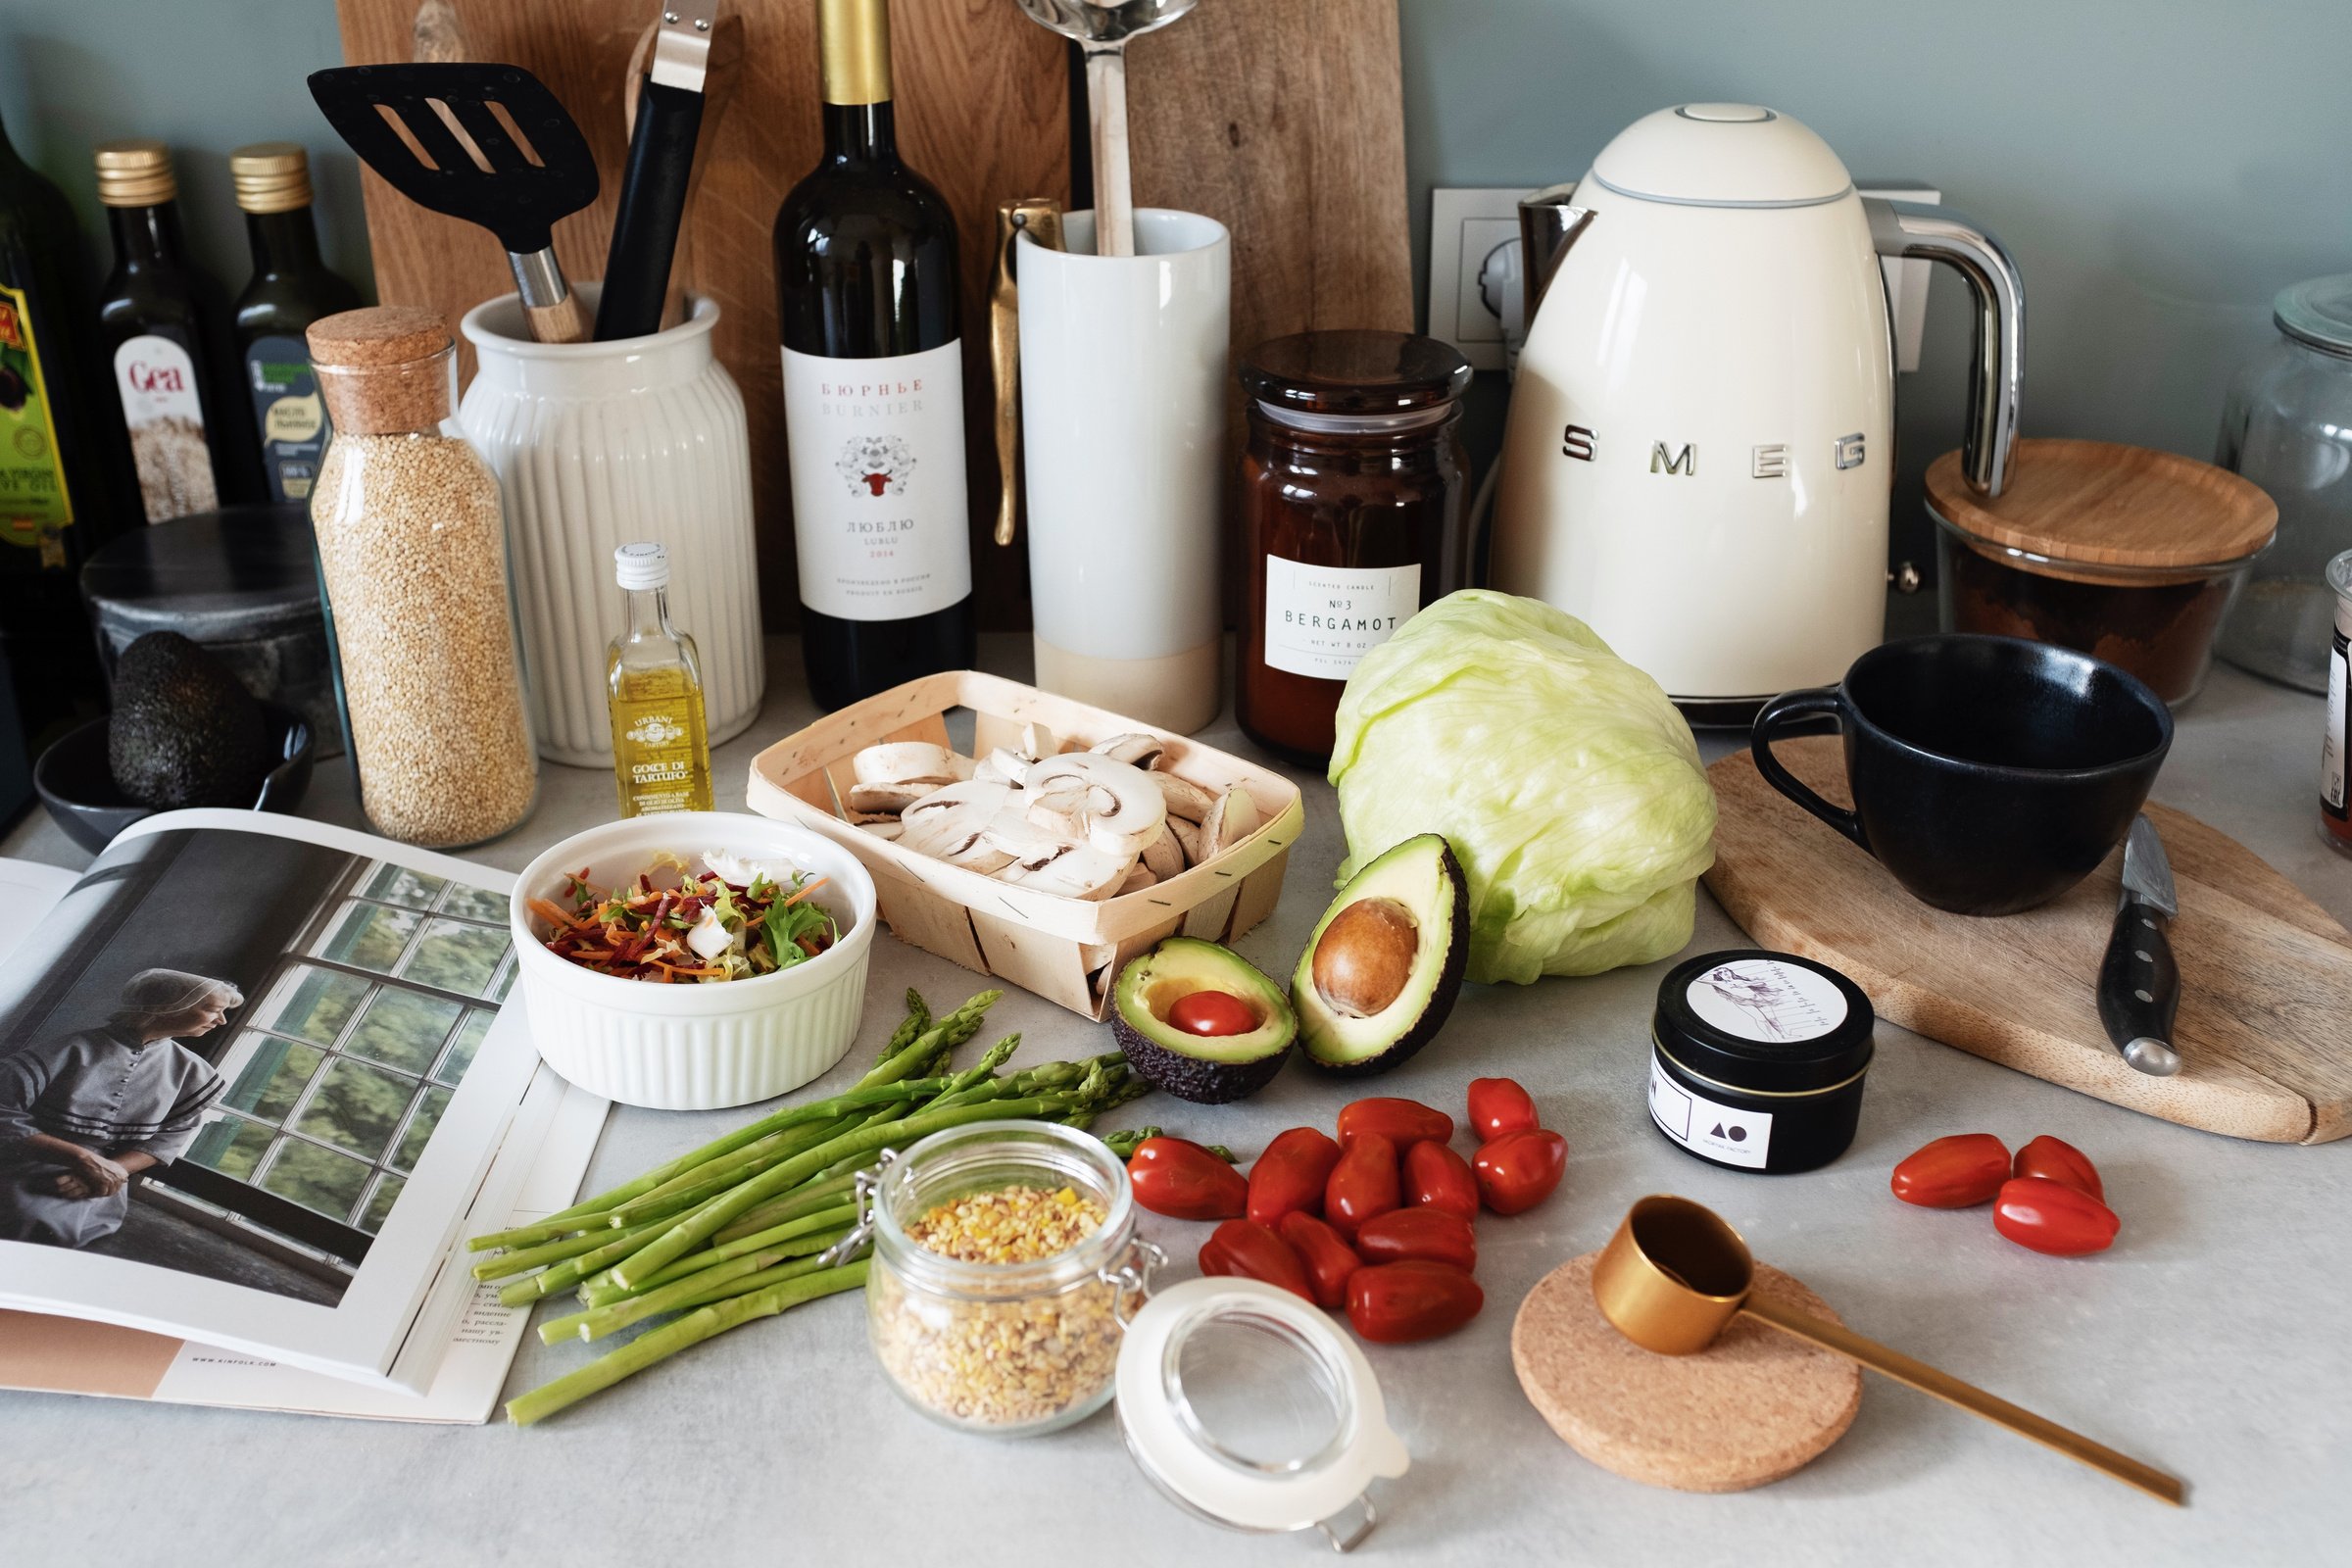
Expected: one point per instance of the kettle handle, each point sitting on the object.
(1997, 362)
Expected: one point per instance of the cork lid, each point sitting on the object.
(136, 173)
(379, 334)
(385, 368)
(2101, 504)
(271, 177)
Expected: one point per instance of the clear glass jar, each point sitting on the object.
(2286, 425)
(1013, 1348)
(421, 611)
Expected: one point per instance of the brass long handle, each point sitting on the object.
(1968, 1396)
(1039, 216)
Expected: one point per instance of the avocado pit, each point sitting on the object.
(1365, 956)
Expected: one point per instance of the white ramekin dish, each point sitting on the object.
(694, 1046)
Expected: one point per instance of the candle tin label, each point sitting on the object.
(876, 448)
(1708, 1128)
(1320, 621)
(1766, 1000)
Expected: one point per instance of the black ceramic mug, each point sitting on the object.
(1989, 775)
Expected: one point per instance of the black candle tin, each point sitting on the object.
(1758, 1060)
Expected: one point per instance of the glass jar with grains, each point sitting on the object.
(411, 550)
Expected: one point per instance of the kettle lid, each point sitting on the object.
(1722, 155)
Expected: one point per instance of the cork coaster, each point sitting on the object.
(1755, 1406)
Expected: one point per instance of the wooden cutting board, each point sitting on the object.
(2266, 1012)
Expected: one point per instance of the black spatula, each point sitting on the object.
(487, 143)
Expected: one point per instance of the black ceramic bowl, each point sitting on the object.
(78, 788)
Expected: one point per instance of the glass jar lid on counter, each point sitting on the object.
(1009, 1296)
(1357, 376)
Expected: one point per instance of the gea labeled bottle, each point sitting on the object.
(57, 505)
(290, 289)
(873, 389)
(152, 332)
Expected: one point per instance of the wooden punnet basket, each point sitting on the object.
(1068, 950)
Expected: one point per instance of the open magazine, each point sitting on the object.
(254, 1075)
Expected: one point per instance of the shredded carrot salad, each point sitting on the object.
(698, 927)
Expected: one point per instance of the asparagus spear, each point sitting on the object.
(836, 1219)
(599, 1321)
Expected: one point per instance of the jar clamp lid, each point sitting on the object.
(1764, 1023)
(2317, 312)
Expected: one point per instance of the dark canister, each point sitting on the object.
(1758, 1059)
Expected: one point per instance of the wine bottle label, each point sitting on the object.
(878, 517)
(1321, 619)
(288, 412)
(36, 506)
(157, 380)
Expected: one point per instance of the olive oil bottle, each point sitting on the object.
(661, 746)
(291, 288)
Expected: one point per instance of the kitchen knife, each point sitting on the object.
(2139, 984)
(660, 168)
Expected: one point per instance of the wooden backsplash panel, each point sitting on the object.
(983, 112)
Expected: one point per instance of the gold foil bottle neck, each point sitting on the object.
(136, 173)
(854, 42)
(271, 177)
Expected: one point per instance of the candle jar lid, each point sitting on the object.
(1764, 1022)
(1354, 373)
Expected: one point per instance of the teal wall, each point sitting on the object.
(2158, 167)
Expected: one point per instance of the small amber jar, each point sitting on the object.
(1352, 502)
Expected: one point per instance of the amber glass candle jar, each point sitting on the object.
(1352, 506)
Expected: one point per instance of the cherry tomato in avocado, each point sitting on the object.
(1400, 1121)
(1362, 1184)
(1291, 1175)
(2050, 1217)
(1328, 1258)
(1212, 1013)
(1184, 1181)
(1242, 1248)
(1435, 1177)
(1395, 1303)
(1518, 1170)
(1426, 1233)
(1956, 1172)
(1498, 1106)
(2060, 1162)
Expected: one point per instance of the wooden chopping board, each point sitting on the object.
(2265, 1029)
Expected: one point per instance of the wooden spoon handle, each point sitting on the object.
(1106, 117)
(1967, 1396)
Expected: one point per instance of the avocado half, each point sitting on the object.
(1209, 1069)
(1399, 941)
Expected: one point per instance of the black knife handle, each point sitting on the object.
(2139, 983)
(652, 203)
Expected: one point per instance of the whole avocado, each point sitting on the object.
(184, 731)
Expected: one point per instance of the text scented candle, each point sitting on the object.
(1352, 515)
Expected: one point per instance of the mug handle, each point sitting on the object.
(1778, 715)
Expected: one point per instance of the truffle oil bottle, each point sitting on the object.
(660, 748)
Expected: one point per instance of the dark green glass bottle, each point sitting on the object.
(57, 433)
(154, 329)
(291, 288)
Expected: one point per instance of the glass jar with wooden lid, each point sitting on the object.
(2124, 553)
(412, 551)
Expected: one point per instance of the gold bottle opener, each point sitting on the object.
(1039, 216)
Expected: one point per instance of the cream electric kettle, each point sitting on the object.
(1699, 454)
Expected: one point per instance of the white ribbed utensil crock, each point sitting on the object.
(694, 1046)
(597, 445)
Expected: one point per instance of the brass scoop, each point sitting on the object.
(1675, 1275)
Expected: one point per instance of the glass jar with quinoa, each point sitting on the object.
(411, 553)
(1005, 1262)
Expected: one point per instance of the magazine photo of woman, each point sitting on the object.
(83, 1113)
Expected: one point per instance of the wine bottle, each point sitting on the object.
(291, 287)
(56, 433)
(156, 338)
(873, 389)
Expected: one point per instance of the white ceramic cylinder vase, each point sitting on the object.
(1123, 435)
(598, 445)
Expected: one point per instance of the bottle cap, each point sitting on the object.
(644, 565)
(135, 172)
(271, 177)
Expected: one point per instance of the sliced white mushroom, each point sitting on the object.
(1081, 872)
(1135, 749)
(1189, 839)
(1123, 810)
(1137, 880)
(1232, 819)
(886, 799)
(1184, 798)
(1066, 805)
(908, 761)
(872, 818)
(883, 827)
(1036, 741)
(952, 816)
(1004, 766)
(1165, 857)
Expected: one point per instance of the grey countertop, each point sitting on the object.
(2212, 1341)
